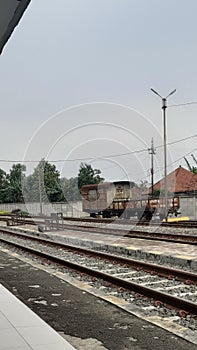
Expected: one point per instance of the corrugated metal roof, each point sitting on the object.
(179, 181)
(11, 12)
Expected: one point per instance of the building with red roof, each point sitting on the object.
(180, 181)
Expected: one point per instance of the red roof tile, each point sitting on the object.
(180, 180)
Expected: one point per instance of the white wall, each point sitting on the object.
(73, 209)
(188, 207)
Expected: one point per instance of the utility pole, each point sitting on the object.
(152, 152)
(40, 169)
(164, 107)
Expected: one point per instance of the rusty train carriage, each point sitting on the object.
(121, 198)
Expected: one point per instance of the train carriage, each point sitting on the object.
(122, 199)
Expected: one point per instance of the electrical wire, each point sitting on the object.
(99, 157)
(162, 168)
(183, 104)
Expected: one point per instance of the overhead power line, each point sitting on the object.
(98, 157)
(183, 104)
(169, 165)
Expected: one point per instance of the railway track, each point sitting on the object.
(188, 238)
(179, 224)
(182, 224)
(170, 237)
(158, 286)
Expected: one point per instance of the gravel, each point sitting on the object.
(173, 286)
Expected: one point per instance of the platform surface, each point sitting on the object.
(22, 329)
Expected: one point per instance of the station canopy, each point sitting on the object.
(11, 11)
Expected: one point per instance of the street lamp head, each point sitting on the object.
(155, 92)
(171, 93)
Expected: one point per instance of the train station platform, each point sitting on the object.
(22, 329)
(177, 254)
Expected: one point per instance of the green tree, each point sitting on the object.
(13, 191)
(44, 182)
(87, 175)
(52, 182)
(70, 189)
(31, 187)
(3, 185)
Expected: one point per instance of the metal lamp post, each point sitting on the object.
(164, 106)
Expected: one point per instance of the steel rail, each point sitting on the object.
(177, 238)
(148, 267)
(170, 237)
(181, 224)
(165, 298)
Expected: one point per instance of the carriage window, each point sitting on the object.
(119, 189)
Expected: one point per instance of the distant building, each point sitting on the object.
(180, 182)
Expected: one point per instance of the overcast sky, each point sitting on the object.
(75, 81)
